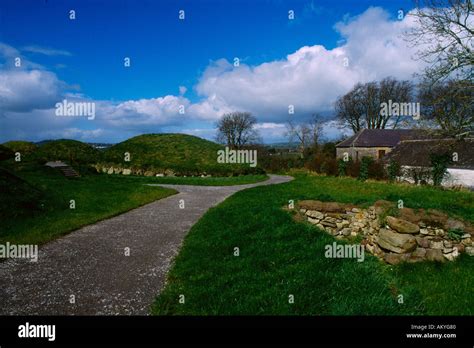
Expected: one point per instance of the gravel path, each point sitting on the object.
(90, 263)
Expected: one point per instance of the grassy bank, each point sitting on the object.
(96, 197)
(280, 257)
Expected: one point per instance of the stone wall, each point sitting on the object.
(410, 236)
(138, 171)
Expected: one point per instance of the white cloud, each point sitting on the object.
(313, 77)
(271, 130)
(310, 78)
(46, 51)
(144, 113)
(23, 90)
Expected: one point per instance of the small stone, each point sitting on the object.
(346, 231)
(328, 224)
(419, 252)
(396, 242)
(466, 241)
(355, 210)
(460, 247)
(320, 226)
(453, 255)
(303, 211)
(447, 250)
(402, 226)
(465, 236)
(431, 232)
(330, 219)
(469, 251)
(315, 214)
(436, 244)
(424, 231)
(452, 224)
(370, 248)
(434, 255)
(393, 259)
(449, 257)
(423, 242)
(313, 221)
(448, 244)
(334, 215)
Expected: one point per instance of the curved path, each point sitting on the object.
(90, 263)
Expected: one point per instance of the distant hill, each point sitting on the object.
(183, 154)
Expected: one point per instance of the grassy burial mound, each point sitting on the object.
(169, 154)
(71, 151)
(23, 147)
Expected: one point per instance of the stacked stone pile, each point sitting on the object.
(409, 236)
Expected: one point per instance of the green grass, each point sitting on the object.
(97, 197)
(446, 288)
(279, 257)
(206, 181)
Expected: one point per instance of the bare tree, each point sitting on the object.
(450, 105)
(349, 109)
(360, 107)
(306, 134)
(445, 35)
(237, 129)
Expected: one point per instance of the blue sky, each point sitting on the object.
(187, 62)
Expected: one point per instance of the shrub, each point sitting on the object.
(364, 168)
(376, 170)
(342, 167)
(353, 169)
(439, 164)
(329, 166)
(393, 170)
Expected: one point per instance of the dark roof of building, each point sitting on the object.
(417, 152)
(380, 137)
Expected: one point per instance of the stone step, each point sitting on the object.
(69, 172)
